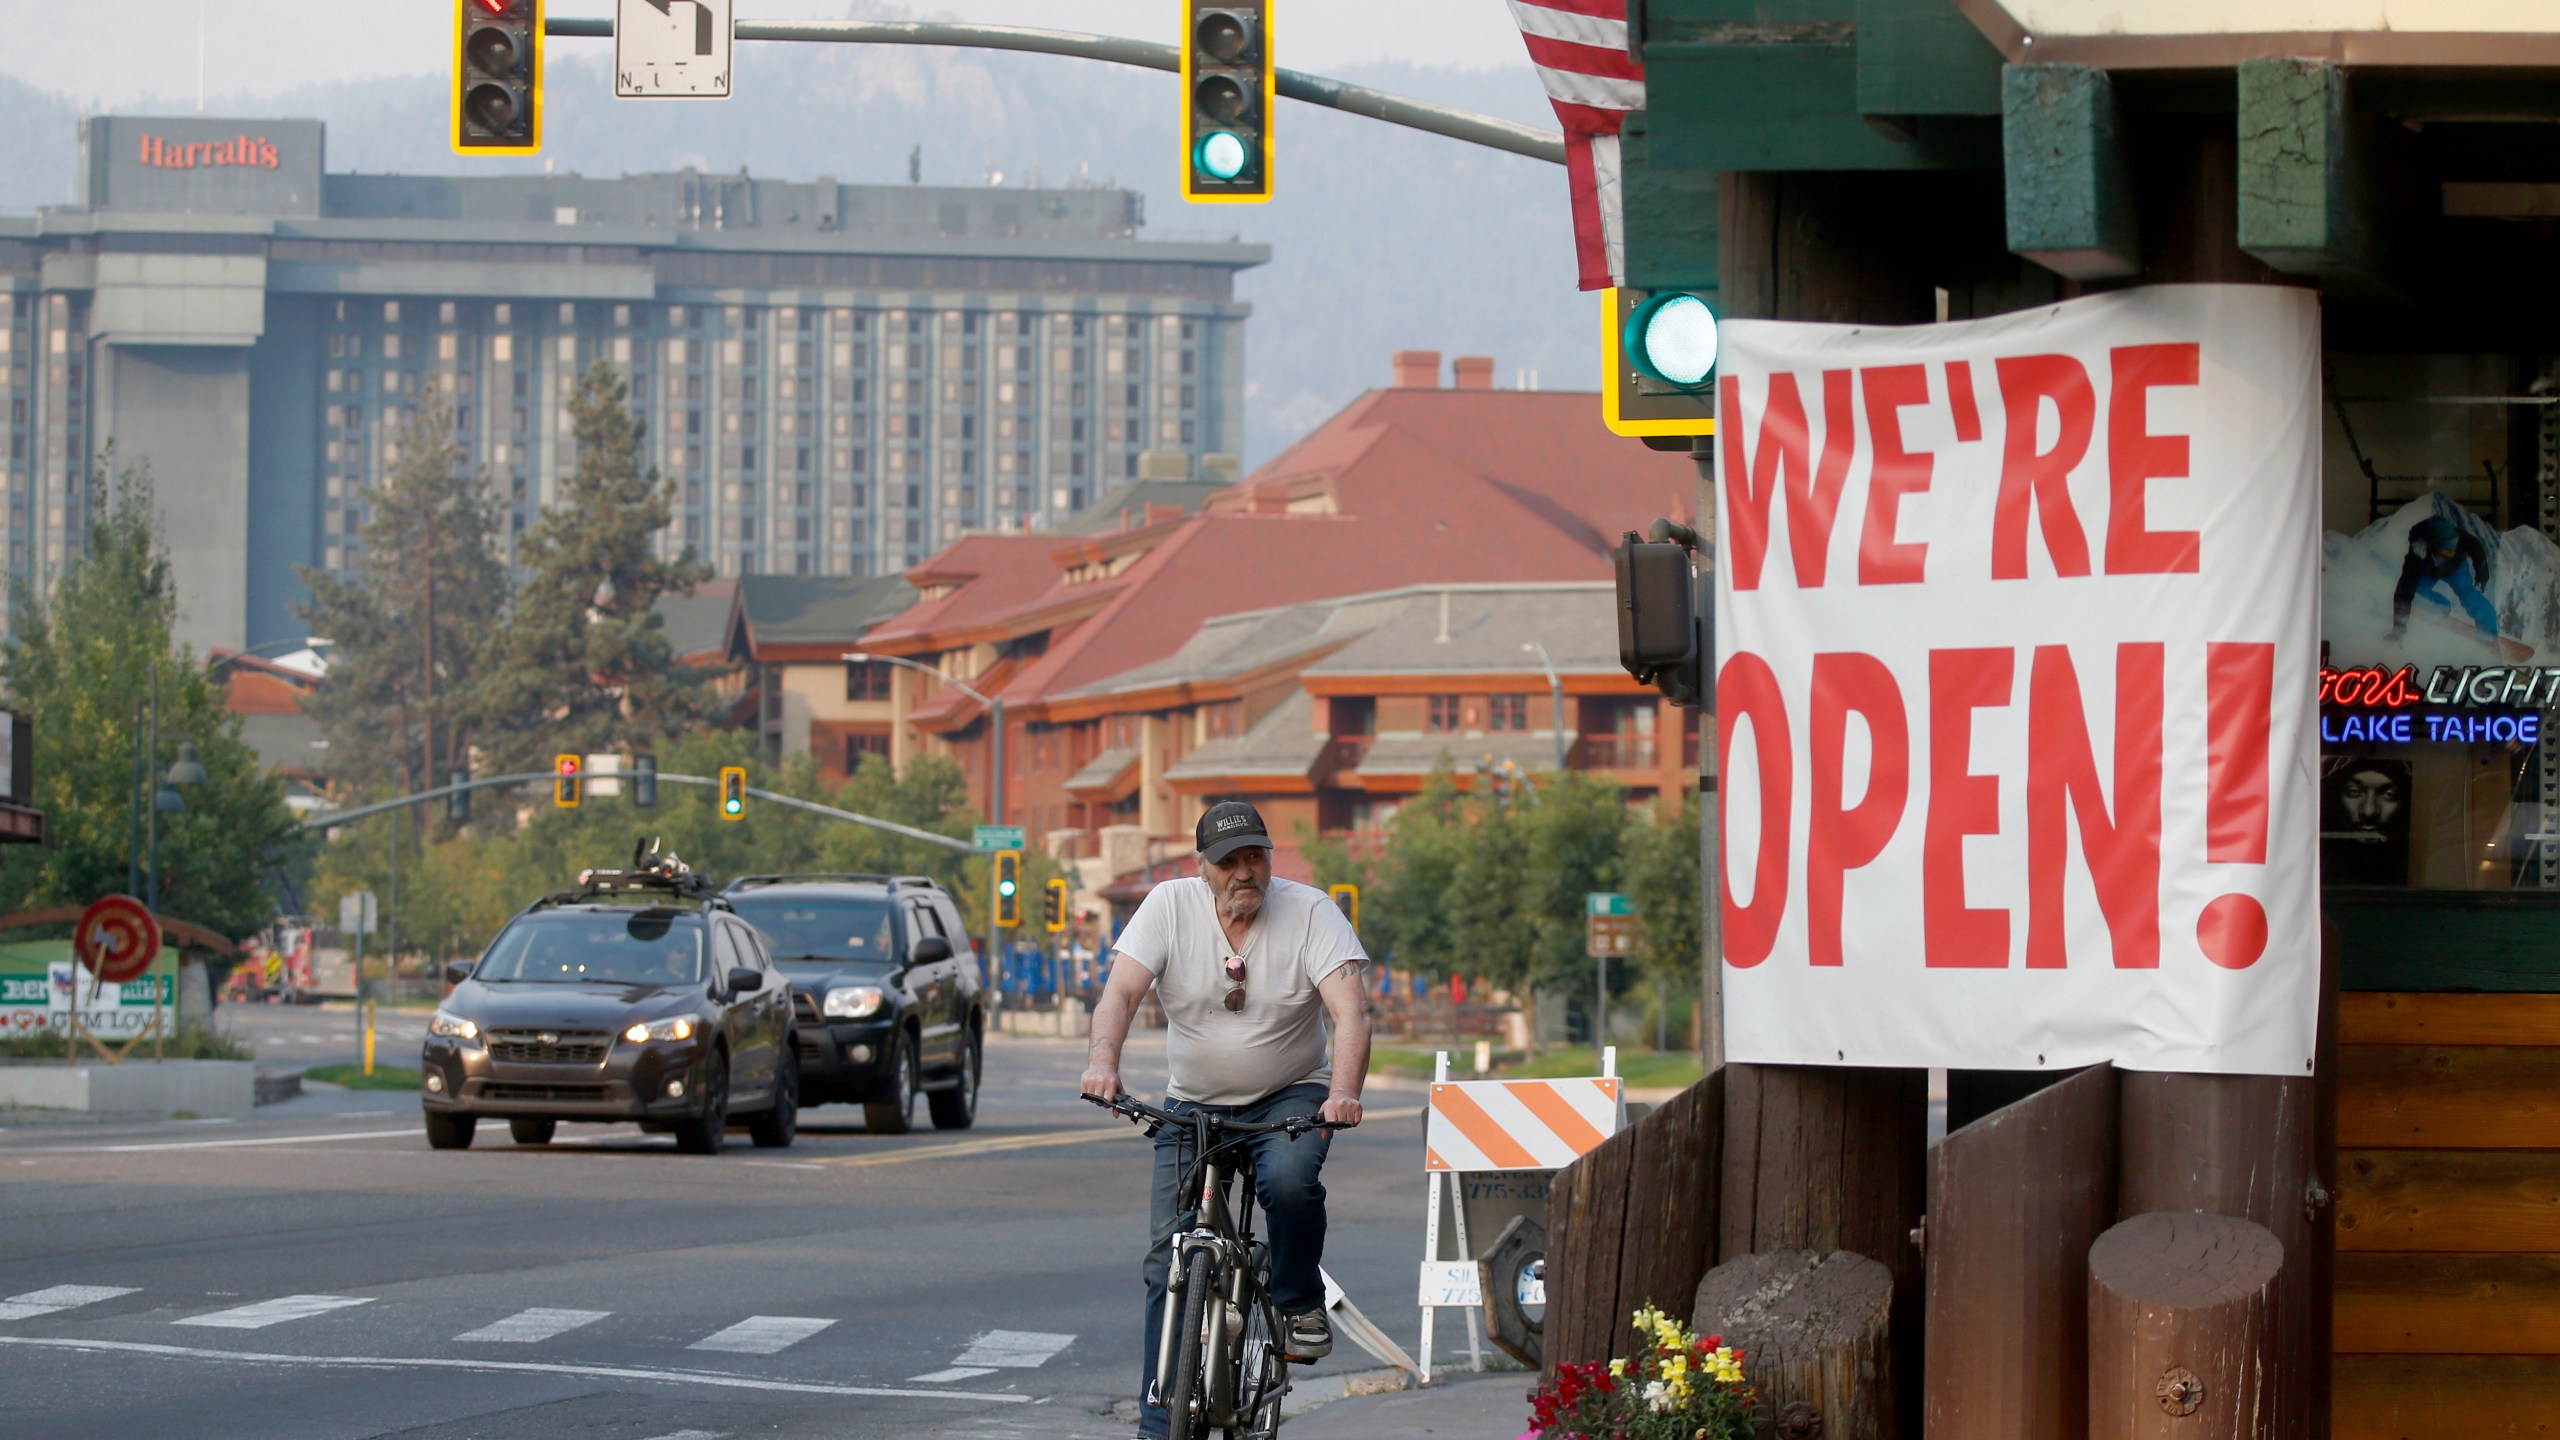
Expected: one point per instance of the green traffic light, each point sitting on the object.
(1672, 337)
(1221, 156)
(734, 806)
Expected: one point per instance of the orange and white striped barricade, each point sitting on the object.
(1504, 1127)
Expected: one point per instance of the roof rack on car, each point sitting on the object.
(651, 872)
(750, 882)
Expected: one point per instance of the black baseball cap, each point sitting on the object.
(1229, 826)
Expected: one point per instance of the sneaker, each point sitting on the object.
(1306, 1338)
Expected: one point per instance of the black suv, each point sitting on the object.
(884, 982)
(638, 995)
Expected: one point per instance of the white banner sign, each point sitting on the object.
(2017, 628)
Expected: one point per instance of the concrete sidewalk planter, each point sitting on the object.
(209, 1089)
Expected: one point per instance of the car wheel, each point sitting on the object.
(779, 1122)
(892, 1114)
(702, 1134)
(449, 1132)
(957, 1107)
(530, 1131)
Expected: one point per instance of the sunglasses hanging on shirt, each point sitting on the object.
(1235, 977)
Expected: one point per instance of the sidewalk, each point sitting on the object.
(1476, 1407)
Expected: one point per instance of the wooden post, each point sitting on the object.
(2015, 1201)
(2182, 1342)
(1631, 1224)
(1817, 1336)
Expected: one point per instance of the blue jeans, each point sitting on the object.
(1287, 1183)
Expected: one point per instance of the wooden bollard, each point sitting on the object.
(2180, 1345)
(1817, 1332)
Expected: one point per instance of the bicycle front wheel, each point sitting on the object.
(1185, 1393)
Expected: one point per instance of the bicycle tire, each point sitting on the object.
(1182, 1388)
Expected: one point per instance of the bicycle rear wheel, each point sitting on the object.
(1184, 1392)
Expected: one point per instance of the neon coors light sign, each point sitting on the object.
(2471, 704)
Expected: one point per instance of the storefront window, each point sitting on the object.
(2440, 625)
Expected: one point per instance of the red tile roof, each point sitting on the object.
(994, 574)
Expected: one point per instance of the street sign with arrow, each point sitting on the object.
(671, 49)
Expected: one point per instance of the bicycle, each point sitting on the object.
(1219, 1368)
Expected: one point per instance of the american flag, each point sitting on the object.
(1580, 49)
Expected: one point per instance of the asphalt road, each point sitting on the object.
(318, 1272)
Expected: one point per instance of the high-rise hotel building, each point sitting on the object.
(838, 379)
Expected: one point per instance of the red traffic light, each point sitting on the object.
(568, 764)
(498, 7)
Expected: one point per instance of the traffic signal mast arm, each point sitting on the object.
(1383, 105)
(336, 818)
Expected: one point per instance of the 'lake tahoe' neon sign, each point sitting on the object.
(2483, 704)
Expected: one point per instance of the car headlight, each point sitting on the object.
(856, 1003)
(679, 1028)
(453, 1027)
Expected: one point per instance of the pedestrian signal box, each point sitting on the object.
(1348, 898)
(733, 792)
(1658, 364)
(497, 77)
(1053, 905)
(1228, 86)
(1008, 873)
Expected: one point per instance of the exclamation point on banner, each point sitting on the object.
(2240, 684)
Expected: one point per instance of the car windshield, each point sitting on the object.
(649, 947)
(831, 928)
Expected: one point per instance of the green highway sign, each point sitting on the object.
(998, 837)
(1597, 903)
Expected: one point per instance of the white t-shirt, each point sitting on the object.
(1279, 1038)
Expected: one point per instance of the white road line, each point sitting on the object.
(711, 1378)
(686, 1435)
(526, 1326)
(412, 1132)
(945, 1377)
(1014, 1349)
(274, 1312)
(762, 1335)
(60, 1297)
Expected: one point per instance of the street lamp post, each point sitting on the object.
(995, 756)
(1555, 688)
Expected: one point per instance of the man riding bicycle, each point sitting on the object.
(1249, 968)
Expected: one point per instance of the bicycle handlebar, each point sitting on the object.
(1139, 1111)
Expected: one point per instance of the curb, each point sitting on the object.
(1323, 1390)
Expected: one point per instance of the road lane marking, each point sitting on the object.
(964, 1149)
(274, 1312)
(762, 1335)
(945, 1377)
(58, 1298)
(711, 1378)
(411, 1132)
(1014, 1349)
(526, 1326)
(686, 1435)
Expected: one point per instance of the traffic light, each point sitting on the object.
(1053, 905)
(1008, 872)
(1658, 363)
(565, 770)
(733, 792)
(457, 806)
(644, 780)
(1227, 87)
(1666, 614)
(1348, 898)
(497, 77)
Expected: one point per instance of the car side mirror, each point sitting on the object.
(929, 949)
(457, 971)
(744, 981)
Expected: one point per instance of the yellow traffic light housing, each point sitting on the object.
(1008, 883)
(1347, 897)
(733, 792)
(1228, 85)
(497, 77)
(1053, 905)
(1658, 362)
(566, 771)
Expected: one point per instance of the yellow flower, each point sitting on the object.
(1618, 1369)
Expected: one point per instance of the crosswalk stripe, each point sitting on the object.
(1014, 1349)
(59, 1297)
(945, 1377)
(526, 1326)
(275, 1312)
(762, 1335)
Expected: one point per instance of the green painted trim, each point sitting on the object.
(1922, 57)
(1670, 217)
(2504, 941)
(2070, 192)
(2303, 192)
(1720, 105)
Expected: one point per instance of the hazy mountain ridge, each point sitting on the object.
(1383, 238)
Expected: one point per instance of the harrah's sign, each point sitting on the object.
(2015, 772)
(252, 151)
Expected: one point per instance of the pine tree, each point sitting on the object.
(411, 630)
(582, 664)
